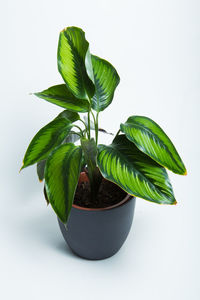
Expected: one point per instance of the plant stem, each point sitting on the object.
(83, 123)
(93, 116)
(97, 128)
(74, 132)
(89, 125)
(96, 125)
(79, 129)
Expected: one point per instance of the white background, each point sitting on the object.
(155, 47)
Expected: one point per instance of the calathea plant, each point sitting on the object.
(135, 160)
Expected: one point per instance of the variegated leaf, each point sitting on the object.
(72, 50)
(61, 177)
(47, 138)
(61, 96)
(106, 80)
(153, 141)
(135, 172)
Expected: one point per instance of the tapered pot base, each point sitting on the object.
(98, 233)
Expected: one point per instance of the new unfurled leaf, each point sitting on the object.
(61, 177)
(136, 173)
(61, 96)
(72, 50)
(106, 80)
(152, 140)
(47, 138)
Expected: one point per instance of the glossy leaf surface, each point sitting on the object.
(152, 140)
(61, 96)
(136, 173)
(61, 177)
(72, 50)
(106, 80)
(47, 138)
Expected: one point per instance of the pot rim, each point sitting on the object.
(126, 199)
(84, 177)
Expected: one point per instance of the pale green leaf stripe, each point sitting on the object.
(106, 80)
(136, 173)
(61, 96)
(152, 140)
(72, 50)
(61, 177)
(47, 138)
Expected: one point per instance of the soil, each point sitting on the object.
(109, 194)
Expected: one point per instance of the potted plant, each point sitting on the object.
(92, 187)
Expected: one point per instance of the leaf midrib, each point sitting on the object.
(80, 68)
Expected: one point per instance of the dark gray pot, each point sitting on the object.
(98, 233)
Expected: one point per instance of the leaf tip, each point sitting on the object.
(64, 29)
(185, 172)
(22, 167)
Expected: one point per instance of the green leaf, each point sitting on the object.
(40, 169)
(69, 115)
(47, 138)
(61, 96)
(72, 50)
(136, 173)
(106, 80)
(61, 177)
(152, 140)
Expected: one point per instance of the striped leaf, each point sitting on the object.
(47, 138)
(61, 177)
(136, 173)
(152, 140)
(72, 50)
(61, 96)
(106, 80)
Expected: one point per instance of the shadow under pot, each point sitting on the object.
(98, 233)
